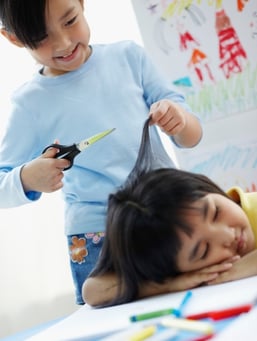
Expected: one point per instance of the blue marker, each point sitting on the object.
(184, 302)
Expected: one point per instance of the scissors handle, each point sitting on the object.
(65, 152)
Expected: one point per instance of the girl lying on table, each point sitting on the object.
(170, 230)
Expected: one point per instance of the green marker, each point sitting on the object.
(153, 314)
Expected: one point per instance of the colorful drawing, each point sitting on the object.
(212, 43)
(231, 51)
(152, 8)
(198, 59)
(208, 48)
(165, 18)
(184, 84)
(241, 4)
(253, 25)
(185, 81)
(196, 14)
(234, 163)
(160, 38)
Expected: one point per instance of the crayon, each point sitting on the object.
(184, 302)
(190, 325)
(204, 338)
(143, 334)
(221, 314)
(164, 335)
(134, 333)
(153, 314)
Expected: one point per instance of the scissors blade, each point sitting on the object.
(82, 145)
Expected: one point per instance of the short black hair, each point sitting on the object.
(25, 19)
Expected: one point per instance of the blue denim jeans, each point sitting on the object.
(84, 250)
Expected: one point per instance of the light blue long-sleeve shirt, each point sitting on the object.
(113, 89)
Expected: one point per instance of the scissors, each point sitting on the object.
(70, 152)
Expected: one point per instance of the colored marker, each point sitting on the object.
(221, 314)
(164, 335)
(153, 314)
(190, 325)
(135, 333)
(204, 338)
(143, 333)
(184, 302)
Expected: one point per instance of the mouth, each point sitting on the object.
(68, 56)
(240, 243)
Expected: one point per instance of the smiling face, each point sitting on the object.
(220, 230)
(65, 48)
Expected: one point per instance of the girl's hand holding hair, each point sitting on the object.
(169, 116)
(175, 121)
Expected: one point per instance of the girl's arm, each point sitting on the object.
(242, 268)
(102, 290)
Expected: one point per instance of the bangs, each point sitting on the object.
(25, 19)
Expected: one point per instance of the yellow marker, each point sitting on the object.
(191, 325)
(143, 333)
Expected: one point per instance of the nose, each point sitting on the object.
(60, 41)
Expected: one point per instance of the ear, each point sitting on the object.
(11, 37)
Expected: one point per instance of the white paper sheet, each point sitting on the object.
(243, 328)
(88, 323)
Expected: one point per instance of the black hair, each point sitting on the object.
(25, 19)
(144, 219)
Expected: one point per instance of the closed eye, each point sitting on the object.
(216, 213)
(206, 251)
(70, 22)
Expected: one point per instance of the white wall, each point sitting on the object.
(35, 282)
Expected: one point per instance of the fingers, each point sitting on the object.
(221, 267)
(210, 275)
(54, 182)
(57, 186)
(60, 164)
(172, 127)
(206, 278)
(157, 111)
(50, 152)
(192, 279)
(222, 278)
(216, 268)
(168, 116)
(233, 259)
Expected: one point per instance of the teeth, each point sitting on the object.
(67, 55)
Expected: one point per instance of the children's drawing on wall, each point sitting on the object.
(234, 163)
(253, 25)
(207, 48)
(198, 62)
(241, 4)
(231, 52)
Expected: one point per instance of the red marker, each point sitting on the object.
(204, 338)
(221, 314)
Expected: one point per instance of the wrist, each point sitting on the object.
(24, 182)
